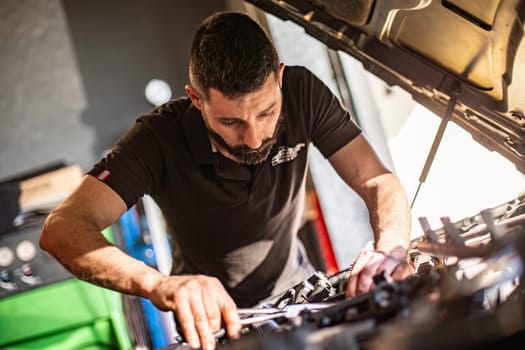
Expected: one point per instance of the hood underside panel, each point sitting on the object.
(434, 49)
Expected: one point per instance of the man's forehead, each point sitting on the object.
(256, 101)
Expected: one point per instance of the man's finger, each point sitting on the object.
(359, 264)
(202, 324)
(402, 270)
(365, 280)
(231, 318)
(187, 323)
(212, 309)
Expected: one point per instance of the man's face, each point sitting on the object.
(244, 128)
(242, 153)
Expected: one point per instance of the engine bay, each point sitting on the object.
(466, 293)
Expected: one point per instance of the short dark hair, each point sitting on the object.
(232, 54)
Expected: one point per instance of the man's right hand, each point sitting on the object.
(201, 304)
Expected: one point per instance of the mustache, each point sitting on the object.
(246, 155)
(249, 156)
(243, 149)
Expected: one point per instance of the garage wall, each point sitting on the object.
(73, 72)
(41, 92)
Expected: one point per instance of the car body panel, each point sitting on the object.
(434, 49)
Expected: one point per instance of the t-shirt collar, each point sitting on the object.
(201, 148)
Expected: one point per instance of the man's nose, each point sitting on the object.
(253, 137)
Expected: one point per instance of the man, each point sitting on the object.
(227, 166)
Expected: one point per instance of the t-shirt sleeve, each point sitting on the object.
(330, 125)
(134, 167)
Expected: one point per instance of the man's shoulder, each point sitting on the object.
(169, 112)
(294, 72)
(299, 78)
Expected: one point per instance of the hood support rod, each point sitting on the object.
(437, 140)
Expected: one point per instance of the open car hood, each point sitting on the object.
(465, 54)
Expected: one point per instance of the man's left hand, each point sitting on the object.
(373, 262)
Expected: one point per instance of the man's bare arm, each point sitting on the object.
(389, 212)
(72, 234)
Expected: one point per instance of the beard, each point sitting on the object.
(244, 154)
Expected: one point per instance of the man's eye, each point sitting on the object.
(266, 114)
(231, 123)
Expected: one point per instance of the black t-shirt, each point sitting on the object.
(229, 220)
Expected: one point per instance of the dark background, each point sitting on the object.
(73, 73)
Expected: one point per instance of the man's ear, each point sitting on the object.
(194, 97)
(281, 70)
